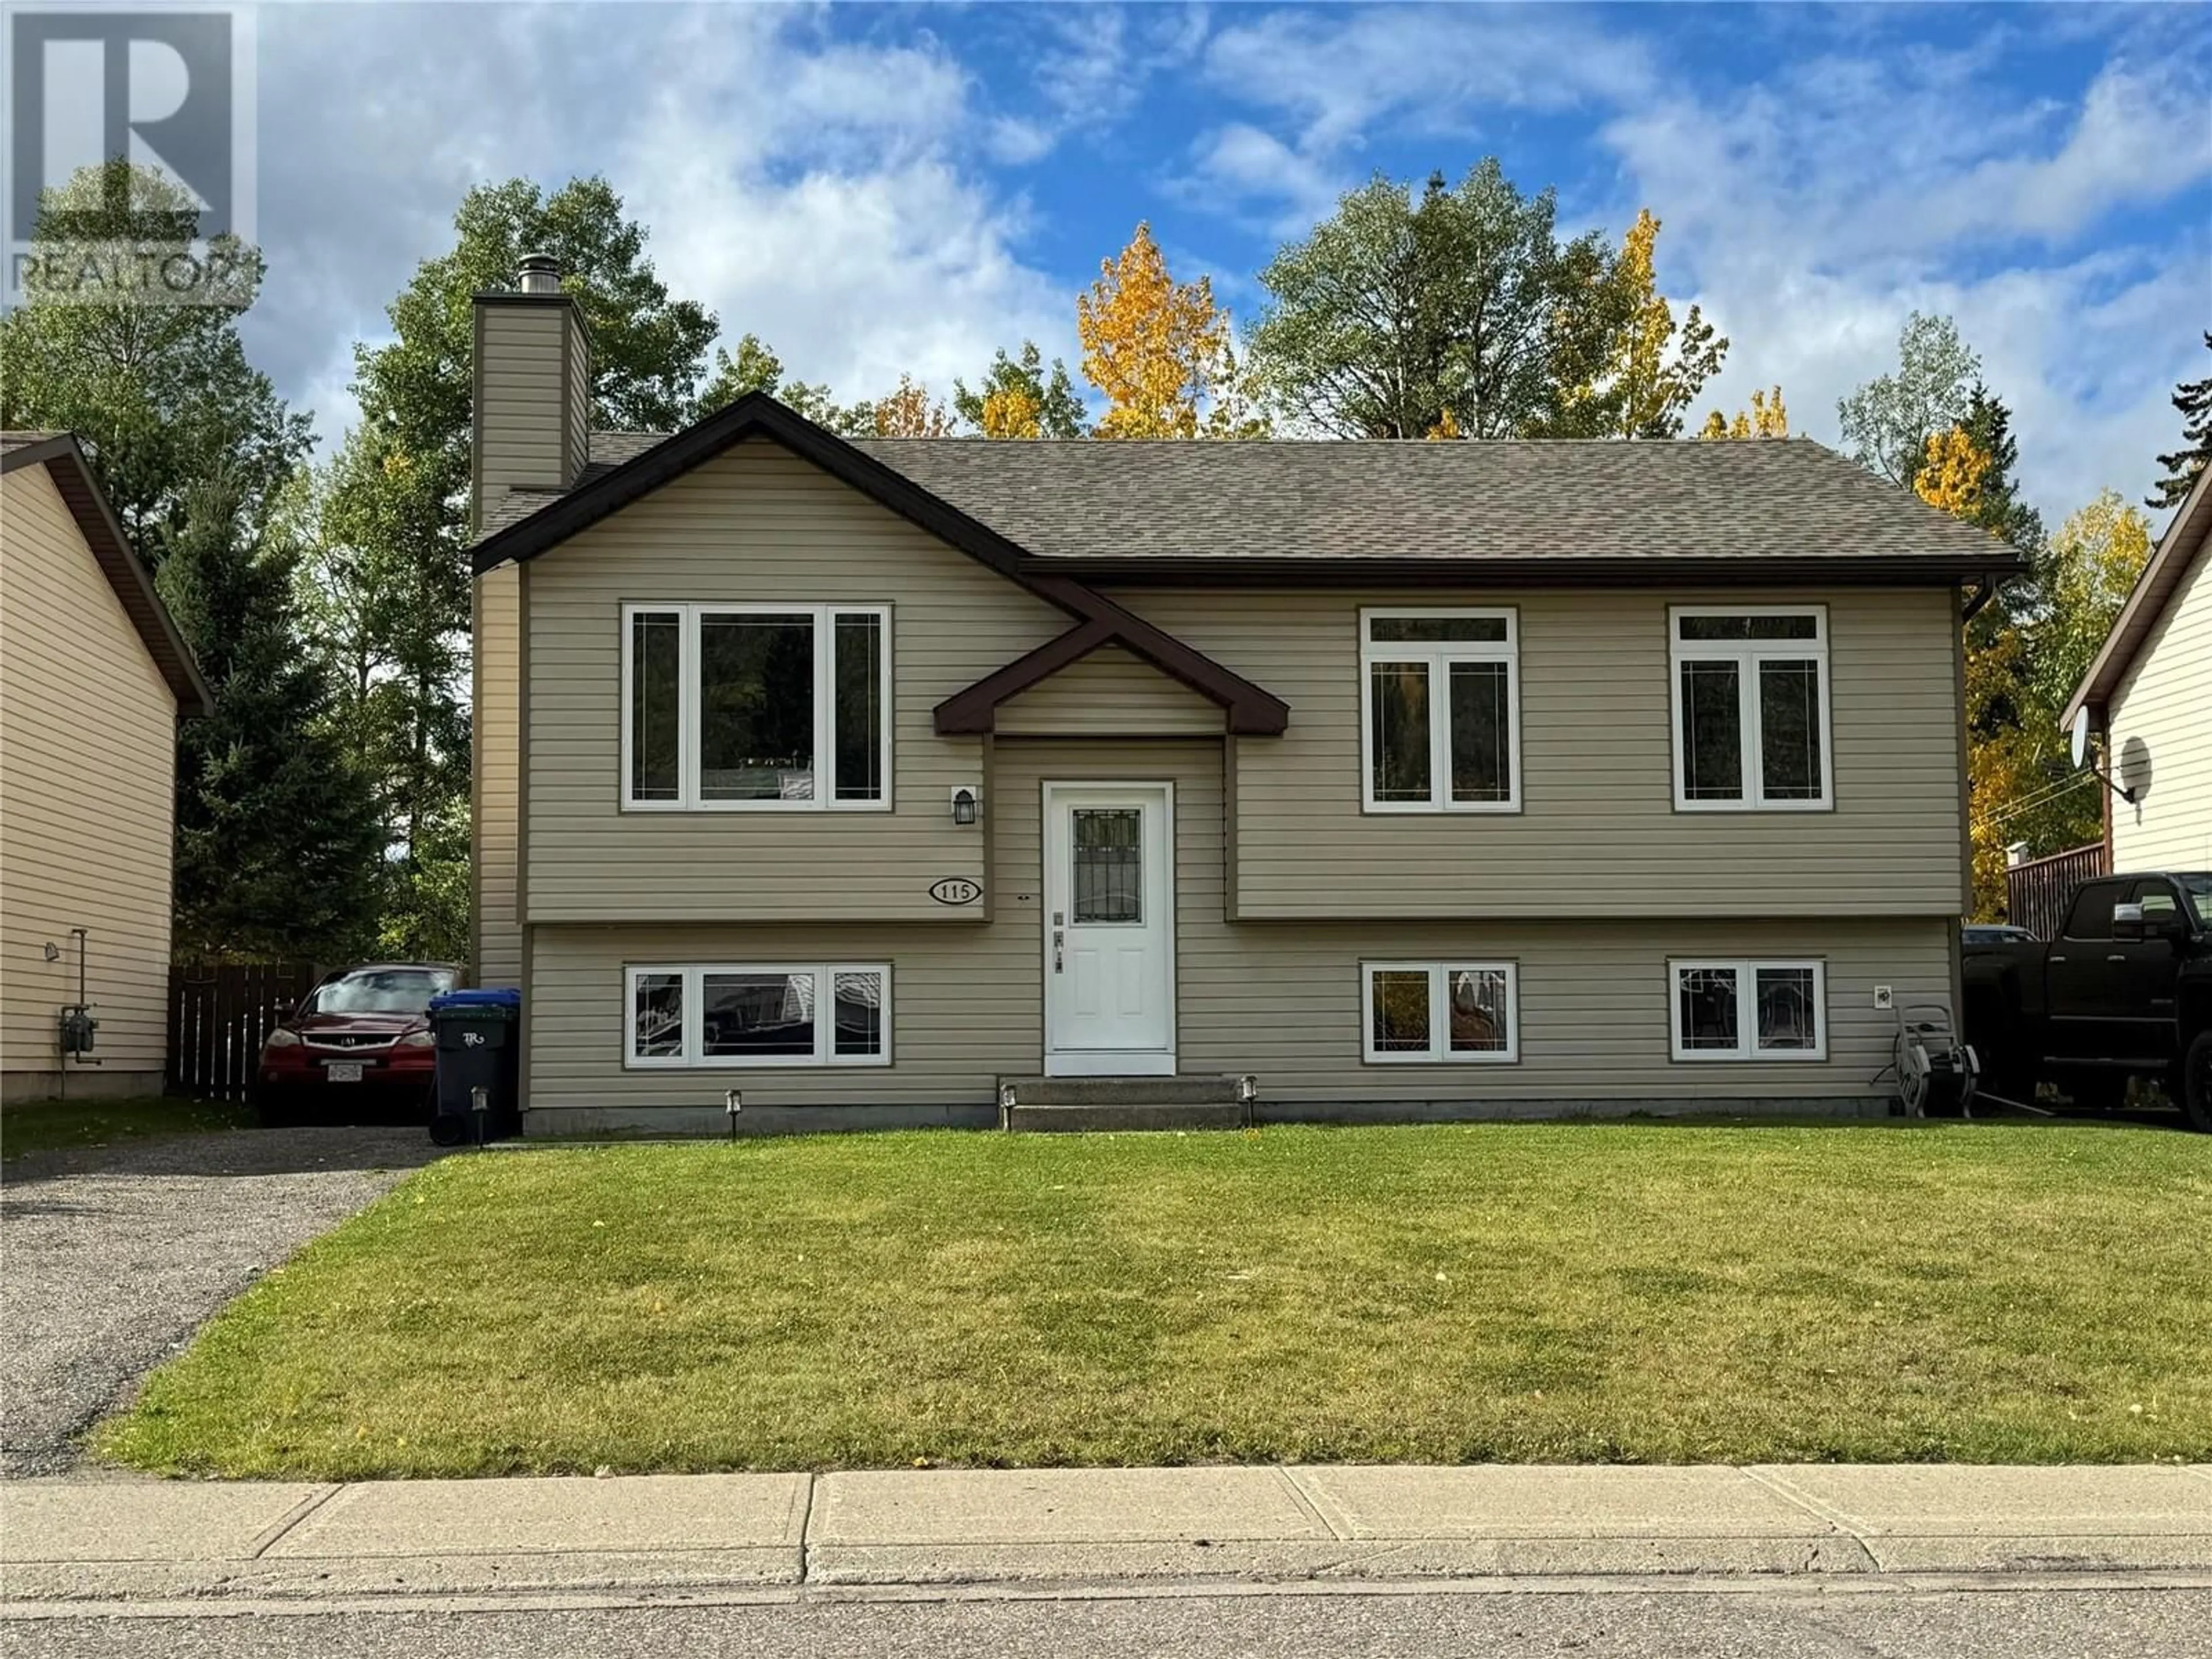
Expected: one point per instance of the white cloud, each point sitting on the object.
(1433, 68)
(815, 191)
(1809, 234)
(1239, 163)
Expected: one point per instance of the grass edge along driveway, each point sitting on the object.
(1516, 1292)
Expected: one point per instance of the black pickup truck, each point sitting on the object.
(2124, 990)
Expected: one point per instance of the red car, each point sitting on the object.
(358, 1045)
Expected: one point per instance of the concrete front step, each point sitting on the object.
(1200, 1090)
(1069, 1119)
(1123, 1103)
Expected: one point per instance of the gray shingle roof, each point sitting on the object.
(1416, 501)
(1430, 501)
(516, 505)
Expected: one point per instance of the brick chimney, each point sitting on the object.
(532, 386)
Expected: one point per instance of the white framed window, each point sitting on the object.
(1747, 1009)
(739, 1015)
(753, 708)
(1440, 711)
(1751, 708)
(1448, 1011)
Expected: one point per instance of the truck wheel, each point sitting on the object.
(2194, 1095)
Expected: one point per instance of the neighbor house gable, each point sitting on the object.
(73, 479)
(2187, 541)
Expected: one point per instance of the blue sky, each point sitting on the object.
(874, 189)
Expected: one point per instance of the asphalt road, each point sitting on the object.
(1765, 1622)
(115, 1254)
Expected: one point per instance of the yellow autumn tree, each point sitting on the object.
(1653, 368)
(1159, 349)
(908, 412)
(1953, 474)
(1011, 413)
(2007, 770)
(2004, 767)
(1768, 417)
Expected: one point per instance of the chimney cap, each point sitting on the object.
(538, 273)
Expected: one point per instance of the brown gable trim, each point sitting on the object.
(1252, 712)
(2188, 536)
(65, 463)
(1251, 709)
(975, 711)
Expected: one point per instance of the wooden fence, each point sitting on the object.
(219, 1016)
(2036, 892)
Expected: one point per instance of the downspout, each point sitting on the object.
(1978, 597)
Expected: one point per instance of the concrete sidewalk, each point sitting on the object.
(648, 1534)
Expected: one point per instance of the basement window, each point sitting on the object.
(737, 1016)
(1459, 1010)
(1749, 1010)
(751, 708)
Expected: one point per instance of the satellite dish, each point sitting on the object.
(2078, 737)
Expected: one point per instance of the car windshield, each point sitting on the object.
(2198, 886)
(381, 991)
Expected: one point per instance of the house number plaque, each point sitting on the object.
(956, 889)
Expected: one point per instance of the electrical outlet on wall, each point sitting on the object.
(1882, 997)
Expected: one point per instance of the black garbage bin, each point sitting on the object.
(476, 1033)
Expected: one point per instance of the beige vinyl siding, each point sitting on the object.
(88, 778)
(1282, 1000)
(498, 666)
(528, 435)
(1598, 833)
(1110, 693)
(2161, 724)
(756, 524)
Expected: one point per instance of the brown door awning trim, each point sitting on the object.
(1251, 712)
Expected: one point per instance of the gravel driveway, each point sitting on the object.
(113, 1257)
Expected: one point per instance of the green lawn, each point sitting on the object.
(39, 1125)
(1638, 1292)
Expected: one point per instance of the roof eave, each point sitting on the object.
(2146, 602)
(1566, 570)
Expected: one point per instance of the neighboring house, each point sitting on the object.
(1450, 778)
(2149, 692)
(93, 678)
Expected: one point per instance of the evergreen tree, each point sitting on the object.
(2193, 399)
(278, 849)
(396, 518)
(277, 839)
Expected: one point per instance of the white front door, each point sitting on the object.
(1108, 929)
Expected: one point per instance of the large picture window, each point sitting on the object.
(1457, 1011)
(1751, 708)
(1749, 1010)
(1440, 703)
(816, 1014)
(756, 706)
